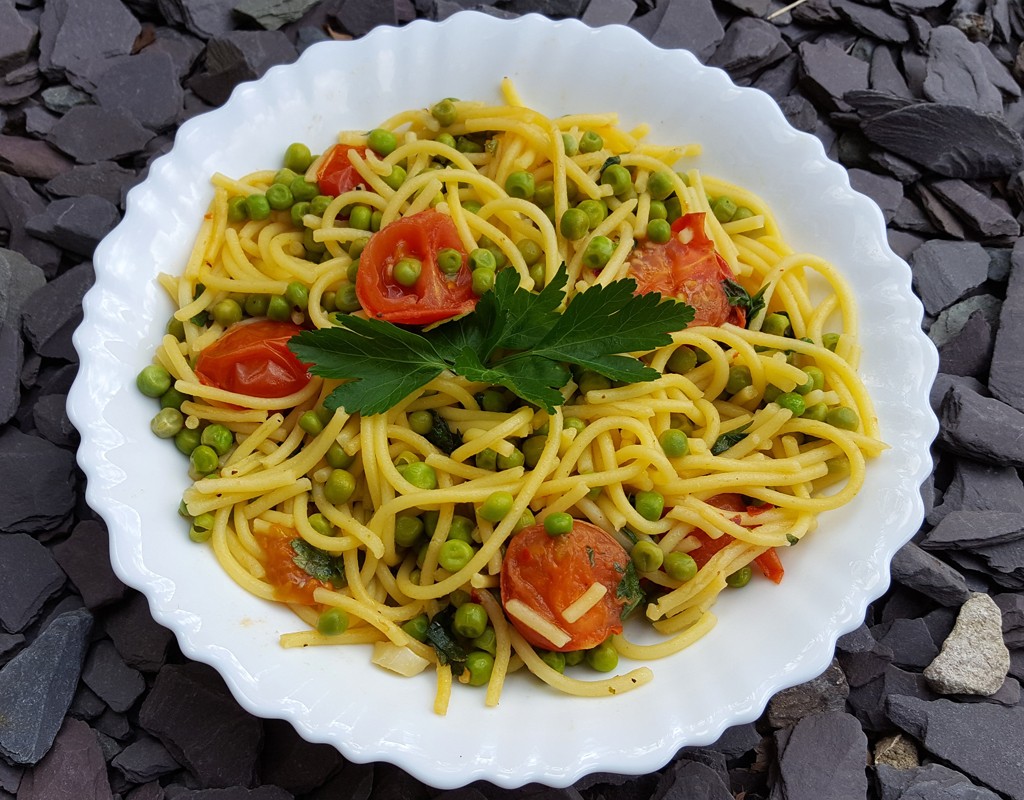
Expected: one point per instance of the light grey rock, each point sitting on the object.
(973, 659)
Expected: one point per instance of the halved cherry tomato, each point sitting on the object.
(548, 573)
(692, 272)
(768, 561)
(336, 175)
(291, 583)
(253, 358)
(435, 296)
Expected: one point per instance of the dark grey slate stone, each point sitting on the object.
(910, 641)
(952, 320)
(73, 770)
(886, 192)
(957, 74)
(28, 578)
(686, 778)
(359, 19)
(38, 121)
(145, 85)
(982, 428)
(190, 710)
(17, 35)
(912, 7)
(828, 73)
(104, 179)
(92, 133)
(970, 351)
(969, 530)
(931, 782)
(943, 272)
(910, 216)
(19, 278)
(37, 686)
(692, 25)
(53, 312)
(77, 35)
(86, 705)
(983, 740)
(113, 681)
(204, 18)
(833, 738)
(10, 777)
(748, 45)
(1012, 607)
(36, 476)
(999, 263)
(85, 557)
(799, 112)
(1006, 380)
(183, 49)
(980, 487)
(292, 763)
(737, 740)
(141, 642)
(944, 220)
(239, 793)
(827, 692)
(982, 214)
(18, 203)
(11, 361)
(953, 141)
(145, 760)
(273, 14)
(862, 658)
(62, 98)
(239, 56)
(884, 73)
(31, 158)
(902, 243)
(608, 12)
(817, 13)
(75, 224)
(875, 22)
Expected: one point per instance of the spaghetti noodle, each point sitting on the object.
(375, 533)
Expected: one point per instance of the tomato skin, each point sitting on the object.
(291, 583)
(548, 573)
(336, 175)
(692, 272)
(253, 358)
(768, 561)
(435, 295)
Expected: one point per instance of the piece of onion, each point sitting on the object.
(398, 659)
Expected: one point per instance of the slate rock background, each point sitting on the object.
(920, 99)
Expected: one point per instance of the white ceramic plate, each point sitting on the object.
(768, 637)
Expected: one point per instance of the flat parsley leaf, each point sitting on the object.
(629, 590)
(318, 564)
(738, 296)
(727, 440)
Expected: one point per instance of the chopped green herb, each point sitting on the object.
(727, 440)
(441, 436)
(791, 539)
(629, 590)
(318, 564)
(738, 296)
(439, 636)
(609, 162)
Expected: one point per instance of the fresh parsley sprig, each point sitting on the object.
(514, 338)
(738, 296)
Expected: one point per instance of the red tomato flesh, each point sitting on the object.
(336, 175)
(692, 272)
(253, 358)
(435, 296)
(548, 573)
(291, 583)
(768, 561)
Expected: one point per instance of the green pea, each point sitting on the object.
(659, 231)
(603, 658)
(227, 312)
(279, 309)
(816, 378)
(347, 300)
(818, 412)
(359, 217)
(201, 528)
(444, 112)
(742, 213)
(776, 325)
(646, 556)
(486, 459)
(186, 440)
(321, 524)
(673, 209)
(674, 443)
(574, 224)
(396, 177)
(408, 530)
(297, 294)
(172, 398)
(680, 566)
(530, 251)
(590, 381)
(739, 379)
(297, 157)
(649, 505)
(285, 176)
(382, 142)
(520, 184)
(449, 260)
(204, 460)
(219, 437)
(482, 281)
(479, 665)
(739, 578)
(454, 555)
(843, 417)
(544, 193)
(420, 475)
(311, 423)
(332, 622)
(319, 204)
(257, 206)
(407, 271)
(482, 258)
(417, 627)
(470, 620)
(447, 140)
(421, 422)
(595, 210)
(279, 197)
(153, 380)
(682, 360)
(237, 211)
(558, 523)
(830, 341)
(167, 423)
(618, 178)
(339, 487)
(486, 641)
(337, 458)
(302, 190)
(496, 506)
(176, 328)
(657, 211)
(598, 252)
(660, 185)
(511, 461)
(591, 142)
(298, 211)
(570, 145)
(724, 208)
(792, 402)
(574, 423)
(553, 659)
(532, 449)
